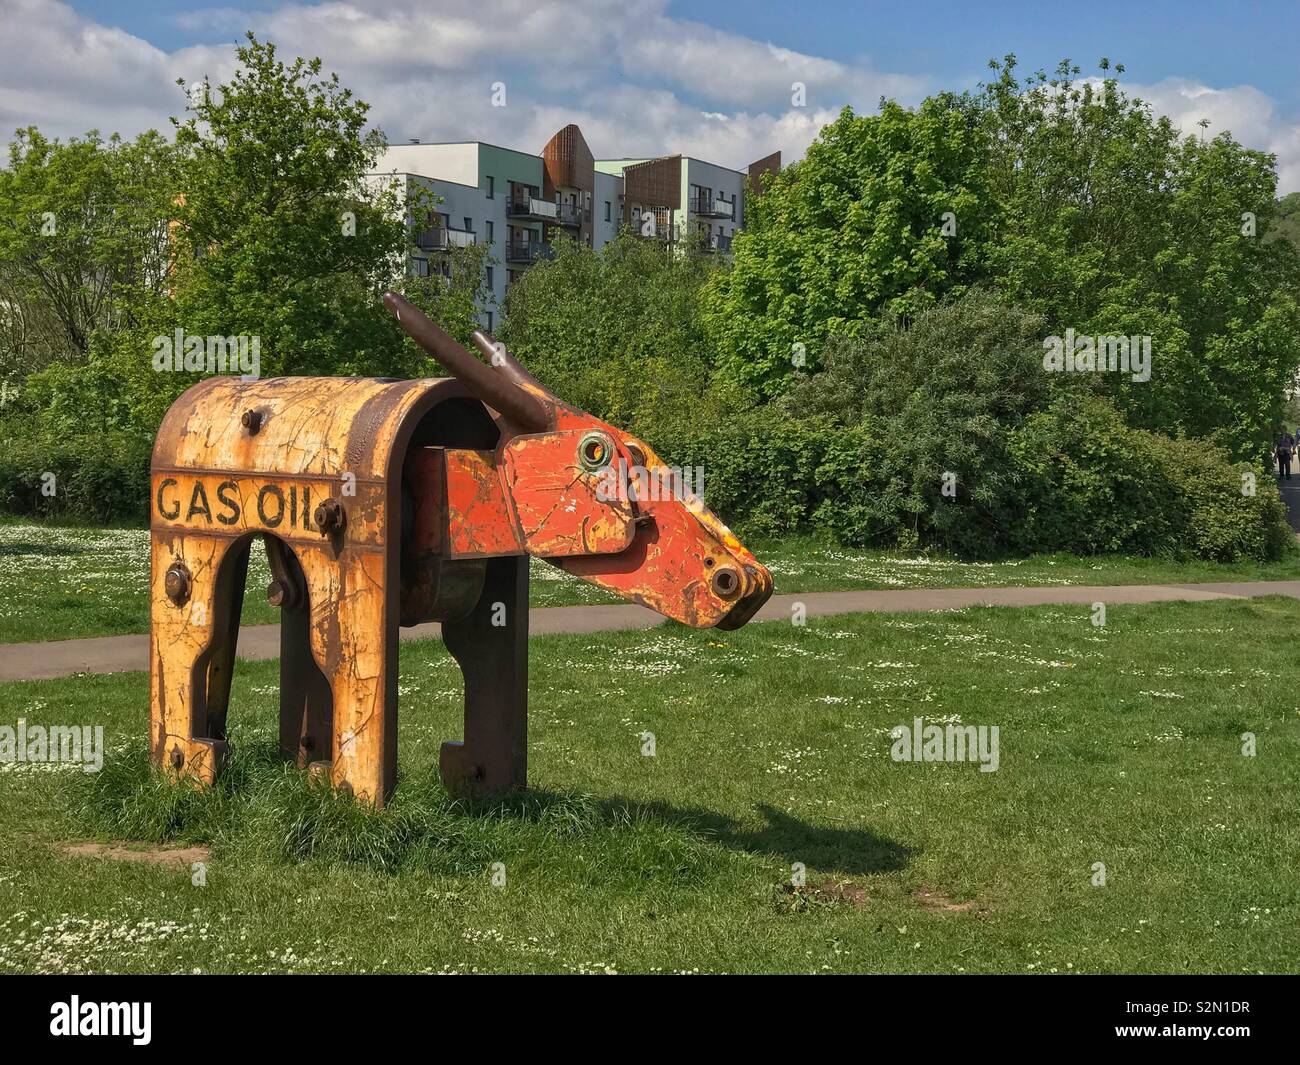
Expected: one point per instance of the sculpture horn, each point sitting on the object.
(496, 353)
(519, 407)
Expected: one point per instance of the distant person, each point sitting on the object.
(1285, 448)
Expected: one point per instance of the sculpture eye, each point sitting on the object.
(726, 582)
(595, 451)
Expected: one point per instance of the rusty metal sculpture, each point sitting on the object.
(386, 503)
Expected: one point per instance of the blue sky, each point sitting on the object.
(1220, 44)
(650, 75)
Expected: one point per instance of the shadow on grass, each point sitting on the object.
(261, 808)
(848, 851)
(33, 549)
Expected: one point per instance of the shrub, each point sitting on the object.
(97, 478)
(1091, 484)
(1094, 484)
(1224, 519)
(939, 397)
(760, 470)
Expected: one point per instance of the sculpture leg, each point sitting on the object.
(193, 637)
(306, 702)
(491, 645)
(356, 647)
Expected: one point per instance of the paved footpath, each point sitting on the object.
(118, 654)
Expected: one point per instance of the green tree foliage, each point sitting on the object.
(853, 231)
(278, 234)
(1095, 484)
(1111, 223)
(1288, 218)
(262, 221)
(83, 241)
(943, 392)
(1073, 199)
(617, 332)
(945, 433)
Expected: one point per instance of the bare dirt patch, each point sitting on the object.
(829, 893)
(155, 855)
(845, 892)
(941, 902)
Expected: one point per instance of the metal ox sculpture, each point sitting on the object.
(386, 503)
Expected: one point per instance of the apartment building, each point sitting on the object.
(516, 202)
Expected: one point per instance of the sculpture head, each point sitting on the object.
(683, 561)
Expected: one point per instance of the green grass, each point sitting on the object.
(61, 582)
(1118, 745)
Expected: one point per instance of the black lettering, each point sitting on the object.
(306, 506)
(199, 493)
(293, 506)
(231, 504)
(168, 482)
(262, 493)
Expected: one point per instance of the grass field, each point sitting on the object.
(60, 583)
(1119, 745)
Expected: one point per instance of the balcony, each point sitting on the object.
(663, 230)
(527, 252)
(532, 209)
(720, 243)
(570, 214)
(710, 207)
(443, 238)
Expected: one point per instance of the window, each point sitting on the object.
(487, 321)
(469, 224)
(491, 278)
(492, 187)
(487, 231)
(419, 267)
(607, 205)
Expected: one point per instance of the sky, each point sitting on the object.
(648, 77)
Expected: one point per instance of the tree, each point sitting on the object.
(1288, 218)
(943, 393)
(83, 240)
(1070, 197)
(617, 332)
(280, 235)
(884, 215)
(1113, 224)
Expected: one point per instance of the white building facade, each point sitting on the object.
(515, 203)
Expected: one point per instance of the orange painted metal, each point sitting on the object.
(388, 503)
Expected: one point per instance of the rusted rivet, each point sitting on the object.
(595, 451)
(251, 420)
(277, 593)
(330, 517)
(176, 582)
(178, 758)
(726, 583)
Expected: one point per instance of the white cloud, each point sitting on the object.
(636, 79)
(1251, 116)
